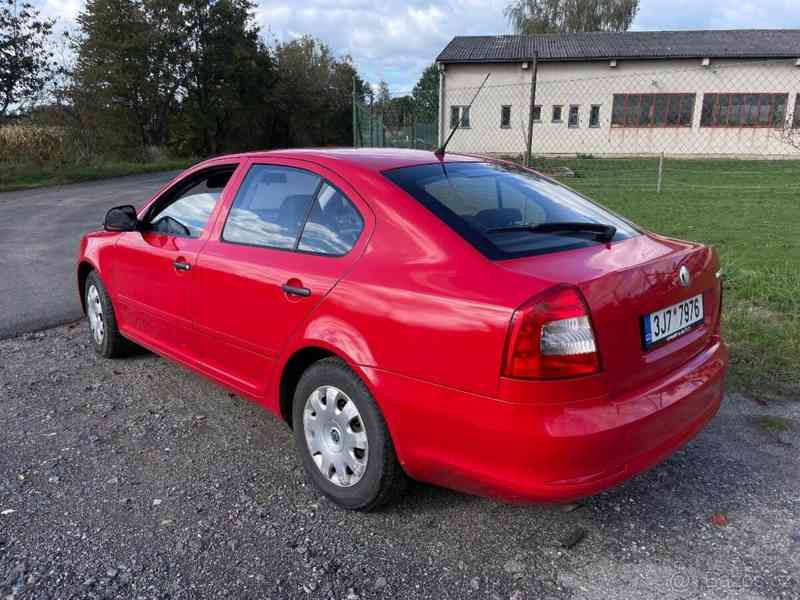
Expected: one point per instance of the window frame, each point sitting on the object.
(742, 124)
(173, 193)
(295, 248)
(560, 118)
(503, 107)
(594, 109)
(653, 121)
(577, 111)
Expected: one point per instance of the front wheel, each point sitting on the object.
(342, 438)
(106, 338)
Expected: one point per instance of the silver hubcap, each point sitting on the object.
(336, 437)
(95, 311)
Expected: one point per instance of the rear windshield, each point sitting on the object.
(476, 199)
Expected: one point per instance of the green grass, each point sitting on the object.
(749, 210)
(17, 177)
(774, 424)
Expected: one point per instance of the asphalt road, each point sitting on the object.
(136, 479)
(39, 234)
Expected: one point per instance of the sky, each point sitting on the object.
(394, 40)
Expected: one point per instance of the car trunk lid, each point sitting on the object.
(625, 281)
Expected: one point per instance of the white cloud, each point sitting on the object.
(395, 40)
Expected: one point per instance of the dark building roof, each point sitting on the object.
(741, 43)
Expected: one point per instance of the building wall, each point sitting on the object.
(588, 83)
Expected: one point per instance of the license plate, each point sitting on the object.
(673, 321)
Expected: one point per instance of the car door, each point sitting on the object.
(153, 266)
(290, 233)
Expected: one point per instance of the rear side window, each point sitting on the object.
(333, 225)
(292, 209)
(480, 200)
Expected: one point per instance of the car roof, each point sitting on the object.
(372, 159)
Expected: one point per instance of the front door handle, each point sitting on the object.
(182, 265)
(293, 290)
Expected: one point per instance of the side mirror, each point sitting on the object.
(121, 218)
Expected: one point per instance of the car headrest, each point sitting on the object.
(293, 210)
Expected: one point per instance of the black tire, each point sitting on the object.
(112, 344)
(383, 480)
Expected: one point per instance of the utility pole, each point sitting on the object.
(529, 148)
(355, 115)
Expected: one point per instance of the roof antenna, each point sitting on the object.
(440, 150)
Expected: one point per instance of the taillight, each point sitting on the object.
(551, 337)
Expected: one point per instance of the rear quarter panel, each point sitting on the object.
(421, 302)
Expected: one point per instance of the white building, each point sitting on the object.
(690, 93)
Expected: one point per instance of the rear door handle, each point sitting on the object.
(296, 291)
(182, 265)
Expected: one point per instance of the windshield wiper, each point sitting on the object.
(604, 233)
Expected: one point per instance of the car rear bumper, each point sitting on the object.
(540, 450)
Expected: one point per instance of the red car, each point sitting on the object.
(454, 320)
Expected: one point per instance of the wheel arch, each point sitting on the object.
(84, 269)
(300, 359)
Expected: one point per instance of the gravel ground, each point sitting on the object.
(138, 479)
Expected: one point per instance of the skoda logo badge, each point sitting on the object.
(685, 277)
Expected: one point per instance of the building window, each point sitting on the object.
(653, 110)
(744, 110)
(797, 112)
(505, 117)
(557, 113)
(463, 113)
(537, 113)
(594, 116)
(574, 116)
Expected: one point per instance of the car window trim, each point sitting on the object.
(301, 230)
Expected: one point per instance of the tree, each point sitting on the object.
(556, 16)
(426, 94)
(25, 61)
(131, 62)
(313, 94)
(230, 77)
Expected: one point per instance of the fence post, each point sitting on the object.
(355, 116)
(660, 172)
(529, 147)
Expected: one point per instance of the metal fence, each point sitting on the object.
(394, 124)
(733, 109)
(647, 118)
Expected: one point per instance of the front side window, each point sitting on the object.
(744, 110)
(505, 117)
(653, 110)
(187, 210)
(292, 209)
(271, 206)
(494, 207)
(574, 115)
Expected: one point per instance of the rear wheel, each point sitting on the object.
(106, 338)
(342, 438)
